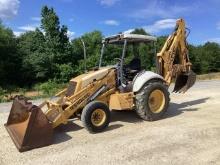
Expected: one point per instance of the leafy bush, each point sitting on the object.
(22, 91)
(65, 72)
(2, 95)
(49, 88)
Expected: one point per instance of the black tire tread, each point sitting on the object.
(86, 116)
(142, 108)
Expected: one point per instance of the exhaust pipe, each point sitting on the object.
(28, 126)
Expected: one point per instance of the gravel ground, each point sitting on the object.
(188, 134)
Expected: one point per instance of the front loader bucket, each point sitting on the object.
(184, 82)
(28, 126)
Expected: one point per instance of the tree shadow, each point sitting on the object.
(173, 110)
(60, 133)
(177, 109)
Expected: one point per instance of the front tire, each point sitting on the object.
(95, 116)
(152, 101)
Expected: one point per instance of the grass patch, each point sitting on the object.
(41, 90)
(50, 88)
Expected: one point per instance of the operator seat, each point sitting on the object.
(135, 64)
(133, 68)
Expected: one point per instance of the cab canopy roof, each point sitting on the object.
(131, 38)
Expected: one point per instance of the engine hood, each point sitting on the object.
(89, 77)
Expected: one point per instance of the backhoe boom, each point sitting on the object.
(173, 60)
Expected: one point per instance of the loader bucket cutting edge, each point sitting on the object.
(184, 82)
(28, 126)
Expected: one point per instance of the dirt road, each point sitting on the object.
(188, 134)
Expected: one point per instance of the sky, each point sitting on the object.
(157, 17)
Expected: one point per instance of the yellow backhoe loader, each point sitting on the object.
(92, 95)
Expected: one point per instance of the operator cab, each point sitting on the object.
(127, 69)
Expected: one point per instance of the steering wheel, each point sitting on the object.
(118, 59)
(118, 63)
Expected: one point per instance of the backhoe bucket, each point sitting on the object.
(28, 126)
(184, 82)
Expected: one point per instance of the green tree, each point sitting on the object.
(31, 46)
(10, 61)
(92, 42)
(146, 51)
(47, 54)
(139, 31)
(195, 58)
(58, 50)
(210, 56)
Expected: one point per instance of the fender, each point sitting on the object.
(144, 77)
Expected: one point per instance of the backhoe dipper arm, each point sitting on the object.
(173, 60)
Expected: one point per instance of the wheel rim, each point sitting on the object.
(156, 101)
(98, 117)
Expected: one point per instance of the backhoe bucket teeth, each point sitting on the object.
(28, 126)
(184, 82)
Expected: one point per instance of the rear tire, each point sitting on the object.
(152, 101)
(95, 116)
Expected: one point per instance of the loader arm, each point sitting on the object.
(173, 60)
(31, 126)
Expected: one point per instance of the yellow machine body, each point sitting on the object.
(28, 125)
